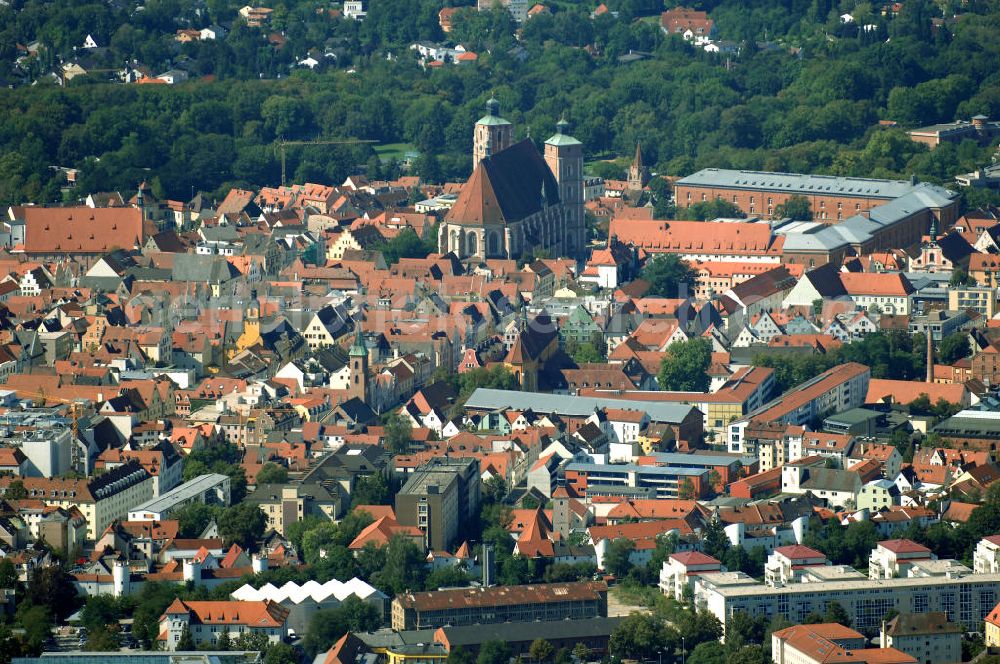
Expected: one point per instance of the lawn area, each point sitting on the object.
(395, 151)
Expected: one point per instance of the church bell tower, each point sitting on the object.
(564, 156)
(492, 134)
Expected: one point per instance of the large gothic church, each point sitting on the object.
(517, 200)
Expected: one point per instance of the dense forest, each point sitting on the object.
(805, 92)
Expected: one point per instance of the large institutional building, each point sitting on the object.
(851, 217)
(919, 584)
(831, 198)
(517, 199)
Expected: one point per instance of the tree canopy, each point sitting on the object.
(684, 367)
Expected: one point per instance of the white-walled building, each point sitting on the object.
(207, 621)
(927, 637)
(986, 558)
(891, 559)
(681, 569)
(786, 564)
(926, 586)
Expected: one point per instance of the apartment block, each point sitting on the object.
(439, 498)
(980, 299)
(100, 499)
(212, 488)
(925, 586)
(837, 389)
(986, 558)
(665, 481)
(498, 604)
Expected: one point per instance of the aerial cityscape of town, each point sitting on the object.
(499, 332)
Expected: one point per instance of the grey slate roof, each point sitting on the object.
(806, 184)
(490, 399)
(203, 269)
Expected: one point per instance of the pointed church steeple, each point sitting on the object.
(638, 174)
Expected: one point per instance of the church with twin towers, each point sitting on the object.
(518, 200)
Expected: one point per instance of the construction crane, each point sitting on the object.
(282, 144)
(74, 413)
(74, 405)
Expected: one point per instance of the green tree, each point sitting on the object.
(281, 653)
(796, 207)
(959, 277)
(493, 652)
(836, 613)
(541, 650)
(709, 210)
(194, 518)
(371, 490)
(581, 652)
(52, 587)
(272, 473)
(15, 491)
(684, 366)
(954, 347)
(406, 244)
(449, 576)
(102, 639)
(8, 574)
(328, 625)
(617, 558)
(296, 530)
(243, 524)
(224, 642)
(668, 276)
(685, 490)
(711, 652)
(398, 433)
(99, 611)
(404, 567)
(255, 641)
(459, 655)
(639, 636)
(185, 643)
(36, 620)
(714, 540)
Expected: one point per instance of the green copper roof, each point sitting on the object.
(562, 139)
(358, 347)
(492, 120)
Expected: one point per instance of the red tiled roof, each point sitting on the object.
(81, 229)
(903, 546)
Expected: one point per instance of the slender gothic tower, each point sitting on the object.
(492, 134)
(638, 174)
(564, 156)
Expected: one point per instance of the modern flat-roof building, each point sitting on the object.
(666, 481)
(439, 498)
(212, 488)
(967, 598)
(978, 128)
(498, 604)
(840, 388)
(680, 570)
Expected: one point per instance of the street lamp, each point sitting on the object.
(683, 652)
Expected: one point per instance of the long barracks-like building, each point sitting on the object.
(832, 198)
